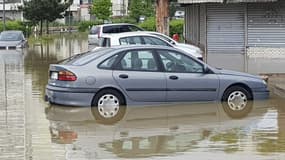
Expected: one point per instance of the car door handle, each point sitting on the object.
(124, 76)
(173, 77)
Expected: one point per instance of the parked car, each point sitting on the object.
(12, 39)
(145, 38)
(183, 46)
(110, 78)
(97, 31)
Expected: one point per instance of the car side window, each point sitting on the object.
(94, 30)
(108, 63)
(177, 62)
(111, 29)
(138, 60)
(154, 41)
(130, 40)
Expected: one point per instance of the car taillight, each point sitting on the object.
(66, 76)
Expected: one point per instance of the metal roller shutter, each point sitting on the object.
(225, 29)
(266, 25)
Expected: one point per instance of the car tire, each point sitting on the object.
(108, 106)
(237, 102)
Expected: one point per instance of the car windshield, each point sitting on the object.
(86, 57)
(10, 36)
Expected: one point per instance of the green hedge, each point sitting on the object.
(175, 26)
(84, 25)
(123, 20)
(148, 24)
(13, 25)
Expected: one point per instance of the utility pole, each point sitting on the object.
(162, 16)
(4, 17)
(69, 20)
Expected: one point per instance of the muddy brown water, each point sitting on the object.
(32, 129)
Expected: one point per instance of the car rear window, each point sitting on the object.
(86, 57)
(95, 30)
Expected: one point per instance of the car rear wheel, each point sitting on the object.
(109, 106)
(237, 102)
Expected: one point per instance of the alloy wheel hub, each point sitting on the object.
(108, 106)
(237, 101)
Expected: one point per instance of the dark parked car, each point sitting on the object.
(12, 40)
(110, 78)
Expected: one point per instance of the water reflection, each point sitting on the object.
(12, 111)
(37, 60)
(171, 130)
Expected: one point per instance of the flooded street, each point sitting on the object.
(32, 129)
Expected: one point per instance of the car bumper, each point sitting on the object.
(69, 96)
(260, 94)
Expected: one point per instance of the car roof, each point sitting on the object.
(123, 47)
(115, 24)
(126, 34)
(12, 31)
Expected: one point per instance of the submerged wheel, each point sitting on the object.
(109, 106)
(237, 102)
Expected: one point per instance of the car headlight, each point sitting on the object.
(19, 46)
(264, 82)
(264, 79)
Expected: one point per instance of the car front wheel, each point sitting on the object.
(237, 102)
(109, 106)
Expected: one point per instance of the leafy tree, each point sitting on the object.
(141, 8)
(102, 9)
(44, 10)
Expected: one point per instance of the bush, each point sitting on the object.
(149, 24)
(14, 25)
(85, 25)
(176, 26)
(123, 20)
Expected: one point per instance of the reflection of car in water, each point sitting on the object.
(11, 57)
(146, 131)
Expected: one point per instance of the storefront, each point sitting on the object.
(235, 27)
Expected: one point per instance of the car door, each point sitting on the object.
(139, 75)
(186, 79)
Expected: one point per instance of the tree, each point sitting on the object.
(44, 10)
(141, 8)
(102, 9)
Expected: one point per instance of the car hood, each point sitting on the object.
(195, 51)
(9, 43)
(235, 73)
(188, 46)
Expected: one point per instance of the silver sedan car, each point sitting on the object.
(113, 78)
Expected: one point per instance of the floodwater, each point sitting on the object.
(34, 130)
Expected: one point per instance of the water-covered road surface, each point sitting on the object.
(34, 130)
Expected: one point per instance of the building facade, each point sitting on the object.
(78, 11)
(236, 27)
(11, 10)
